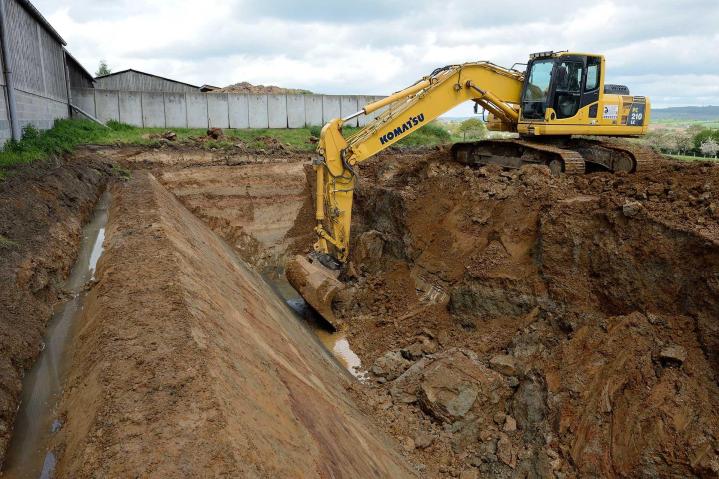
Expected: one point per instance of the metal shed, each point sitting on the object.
(134, 80)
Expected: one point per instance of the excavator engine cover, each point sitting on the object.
(317, 284)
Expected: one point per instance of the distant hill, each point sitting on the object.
(699, 113)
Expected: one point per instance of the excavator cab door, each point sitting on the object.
(565, 84)
(537, 88)
(568, 77)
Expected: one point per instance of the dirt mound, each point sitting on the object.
(249, 88)
(207, 373)
(594, 297)
(42, 209)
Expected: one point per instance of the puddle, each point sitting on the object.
(335, 342)
(36, 421)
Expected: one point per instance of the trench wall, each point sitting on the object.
(220, 110)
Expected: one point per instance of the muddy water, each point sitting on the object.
(335, 342)
(36, 421)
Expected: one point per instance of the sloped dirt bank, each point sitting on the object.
(253, 200)
(189, 366)
(531, 326)
(42, 209)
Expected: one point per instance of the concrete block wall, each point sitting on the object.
(40, 112)
(222, 110)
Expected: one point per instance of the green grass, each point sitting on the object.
(35, 145)
(691, 158)
(7, 243)
(69, 134)
(121, 134)
(686, 123)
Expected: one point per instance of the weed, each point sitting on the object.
(36, 145)
(121, 172)
(7, 243)
(315, 131)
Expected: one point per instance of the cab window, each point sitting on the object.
(540, 77)
(592, 74)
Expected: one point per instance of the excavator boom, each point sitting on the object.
(408, 110)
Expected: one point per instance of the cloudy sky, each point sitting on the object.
(663, 49)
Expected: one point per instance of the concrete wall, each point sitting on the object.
(222, 110)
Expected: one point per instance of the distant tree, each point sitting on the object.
(662, 140)
(703, 135)
(103, 69)
(473, 128)
(709, 147)
(684, 141)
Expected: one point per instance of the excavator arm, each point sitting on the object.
(494, 88)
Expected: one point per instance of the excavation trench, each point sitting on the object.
(37, 418)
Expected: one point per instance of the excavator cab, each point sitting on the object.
(557, 87)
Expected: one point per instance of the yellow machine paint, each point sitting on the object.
(560, 94)
(496, 89)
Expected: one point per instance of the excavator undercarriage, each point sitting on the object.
(566, 155)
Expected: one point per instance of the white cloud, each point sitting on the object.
(660, 48)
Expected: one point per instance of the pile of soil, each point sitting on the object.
(42, 209)
(249, 88)
(522, 325)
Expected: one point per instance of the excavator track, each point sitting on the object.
(644, 158)
(572, 161)
(571, 156)
(513, 153)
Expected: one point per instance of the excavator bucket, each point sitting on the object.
(317, 284)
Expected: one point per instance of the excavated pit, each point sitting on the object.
(593, 299)
(508, 323)
(582, 309)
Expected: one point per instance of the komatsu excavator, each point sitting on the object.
(559, 95)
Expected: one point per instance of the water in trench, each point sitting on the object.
(335, 342)
(36, 421)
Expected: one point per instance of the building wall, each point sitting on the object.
(37, 63)
(224, 110)
(135, 81)
(78, 78)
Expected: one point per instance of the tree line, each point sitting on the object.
(695, 140)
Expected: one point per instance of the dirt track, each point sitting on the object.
(521, 326)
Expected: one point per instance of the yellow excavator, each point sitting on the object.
(558, 96)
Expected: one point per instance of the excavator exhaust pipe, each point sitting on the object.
(317, 284)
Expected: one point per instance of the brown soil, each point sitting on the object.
(187, 365)
(514, 324)
(595, 297)
(253, 201)
(249, 88)
(42, 209)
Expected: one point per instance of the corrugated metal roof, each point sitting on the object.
(35, 13)
(148, 74)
